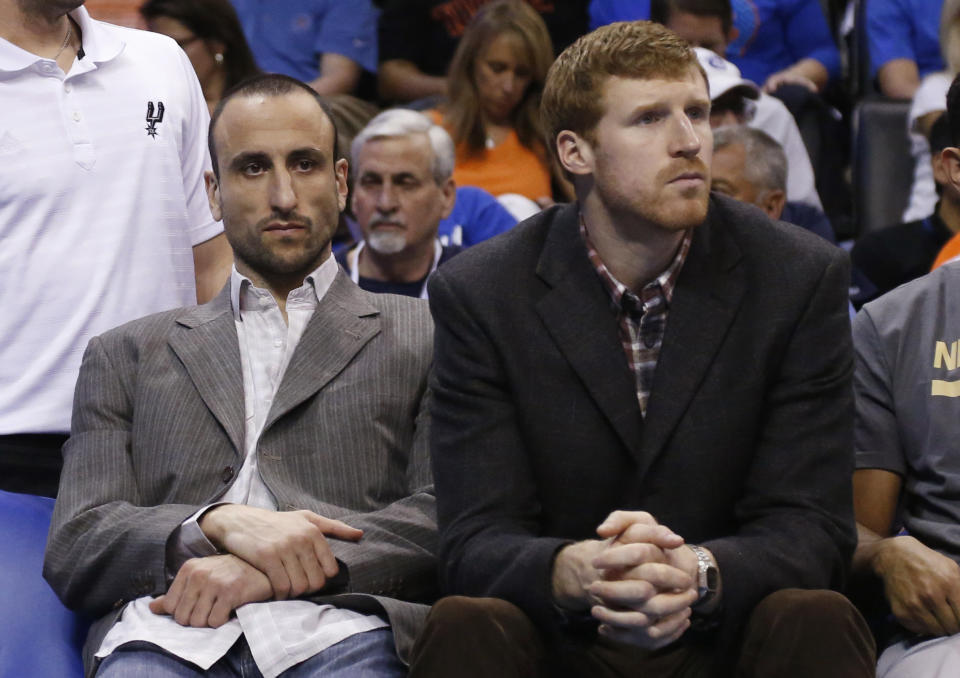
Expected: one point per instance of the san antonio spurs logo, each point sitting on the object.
(153, 118)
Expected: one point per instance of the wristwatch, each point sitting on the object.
(708, 576)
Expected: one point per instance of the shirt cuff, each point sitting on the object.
(188, 541)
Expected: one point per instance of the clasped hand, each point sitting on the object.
(639, 580)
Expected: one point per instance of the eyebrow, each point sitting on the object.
(246, 157)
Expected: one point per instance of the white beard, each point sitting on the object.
(386, 241)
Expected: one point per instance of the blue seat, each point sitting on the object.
(39, 637)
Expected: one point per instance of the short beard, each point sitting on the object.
(386, 241)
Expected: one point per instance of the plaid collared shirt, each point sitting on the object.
(642, 319)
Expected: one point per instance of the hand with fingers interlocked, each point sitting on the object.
(639, 580)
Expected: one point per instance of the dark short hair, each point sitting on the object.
(270, 85)
(953, 111)
(210, 20)
(660, 10)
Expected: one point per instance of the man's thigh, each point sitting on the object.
(370, 654)
(934, 658)
(145, 660)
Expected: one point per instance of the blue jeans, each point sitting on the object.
(370, 654)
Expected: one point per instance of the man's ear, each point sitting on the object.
(213, 194)
(575, 153)
(773, 202)
(449, 191)
(949, 167)
(341, 169)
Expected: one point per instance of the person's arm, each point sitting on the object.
(212, 261)
(346, 43)
(899, 78)
(397, 555)
(795, 519)
(921, 585)
(892, 56)
(401, 80)
(212, 256)
(338, 75)
(105, 547)
(808, 73)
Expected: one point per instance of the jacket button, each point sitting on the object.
(227, 474)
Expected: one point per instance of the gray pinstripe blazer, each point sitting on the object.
(157, 432)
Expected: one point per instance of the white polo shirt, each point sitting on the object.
(101, 202)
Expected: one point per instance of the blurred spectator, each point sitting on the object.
(210, 34)
(739, 102)
(750, 166)
(103, 213)
(417, 40)
(325, 43)
(894, 255)
(905, 484)
(929, 103)
(493, 111)
(402, 167)
(904, 45)
(773, 42)
(707, 23)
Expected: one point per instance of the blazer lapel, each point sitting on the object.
(577, 313)
(705, 301)
(342, 324)
(206, 343)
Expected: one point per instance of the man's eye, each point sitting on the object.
(305, 165)
(697, 113)
(648, 118)
(253, 168)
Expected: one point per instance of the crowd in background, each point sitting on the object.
(479, 71)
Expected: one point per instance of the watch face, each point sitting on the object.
(713, 576)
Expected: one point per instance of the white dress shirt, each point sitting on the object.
(280, 633)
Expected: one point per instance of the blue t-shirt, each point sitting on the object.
(476, 216)
(773, 34)
(289, 37)
(905, 29)
(603, 12)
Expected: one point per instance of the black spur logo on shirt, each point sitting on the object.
(154, 117)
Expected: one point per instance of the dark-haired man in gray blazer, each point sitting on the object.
(246, 485)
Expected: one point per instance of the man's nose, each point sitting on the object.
(283, 197)
(387, 198)
(686, 139)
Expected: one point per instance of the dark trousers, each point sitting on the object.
(30, 463)
(791, 633)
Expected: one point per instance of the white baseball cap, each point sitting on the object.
(723, 76)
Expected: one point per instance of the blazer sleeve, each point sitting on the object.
(396, 556)
(488, 512)
(795, 515)
(104, 548)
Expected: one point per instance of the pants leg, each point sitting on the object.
(932, 658)
(484, 637)
(477, 637)
(796, 633)
(140, 659)
(371, 654)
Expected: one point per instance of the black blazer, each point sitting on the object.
(747, 443)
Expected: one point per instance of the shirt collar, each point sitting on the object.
(100, 44)
(619, 293)
(243, 291)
